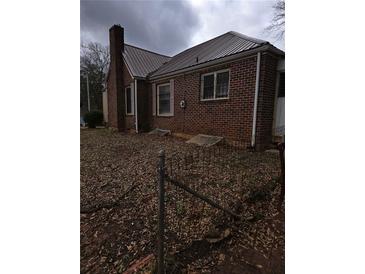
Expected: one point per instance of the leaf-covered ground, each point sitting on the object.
(119, 201)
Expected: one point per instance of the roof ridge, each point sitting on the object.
(237, 34)
(252, 39)
(200, 44)
(147, 50)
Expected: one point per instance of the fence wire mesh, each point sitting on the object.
(226, 174)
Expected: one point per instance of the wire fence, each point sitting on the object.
(207, 168)
(206, 181)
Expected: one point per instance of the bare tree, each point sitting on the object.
(94, 62)
(95, 56)
(277, 25)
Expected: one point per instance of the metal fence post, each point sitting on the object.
(161, 215)
(281, 148)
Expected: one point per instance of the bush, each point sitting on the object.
(93, 118)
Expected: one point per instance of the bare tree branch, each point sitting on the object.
(95, 54)
(277, 24)
(94, 61)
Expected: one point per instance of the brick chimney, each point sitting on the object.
(116, 105)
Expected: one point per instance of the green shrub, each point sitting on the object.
(94, 118)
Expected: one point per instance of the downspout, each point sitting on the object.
(136, 104)
(253, 137)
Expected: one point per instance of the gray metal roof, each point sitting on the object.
(218, 47)
(141, 62)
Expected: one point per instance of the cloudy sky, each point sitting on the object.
(168, 27)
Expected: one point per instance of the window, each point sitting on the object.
(208, 86)
(129, 101)
(163, 100)
(215, 85)
(222, 85)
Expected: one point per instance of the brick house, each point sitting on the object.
(230, 86)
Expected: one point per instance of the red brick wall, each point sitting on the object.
(142, 107)
(112, 100)
(115, 83)
(266, 99)
(127, 80)
(231, 118)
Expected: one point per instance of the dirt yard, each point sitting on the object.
(119, 199)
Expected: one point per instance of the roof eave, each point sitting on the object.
(139, 77)
(266, 47)
(275, 50)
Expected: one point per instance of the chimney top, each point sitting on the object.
(116, 26)
(116, 36)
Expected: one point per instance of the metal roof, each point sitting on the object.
(224, 45)
(141, 62)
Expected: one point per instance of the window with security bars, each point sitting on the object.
(215, 85)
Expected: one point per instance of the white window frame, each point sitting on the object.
(158, 100)
(215, 85)
(132, 101)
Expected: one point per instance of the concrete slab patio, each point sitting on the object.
(205, 140)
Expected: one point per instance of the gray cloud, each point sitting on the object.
(247, 17)
(168, 27)
(164, 27)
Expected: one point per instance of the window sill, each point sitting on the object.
(215, 99)
(165, 115)
(129, 114)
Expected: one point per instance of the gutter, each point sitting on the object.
(253, 136)
(267, 47)
(136, 104)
